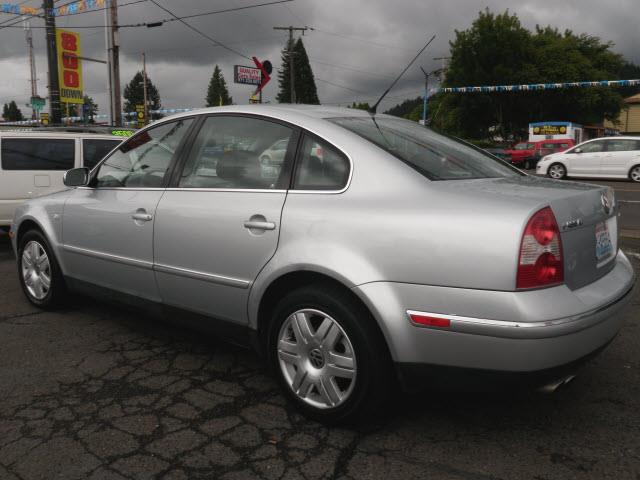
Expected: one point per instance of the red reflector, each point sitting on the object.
(428, 321)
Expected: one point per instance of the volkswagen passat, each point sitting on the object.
(395, 254)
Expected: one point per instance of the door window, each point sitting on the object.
(321, 167)
(622, 145)
(238, 153)
(593, 147)
(143, 161)
(94, 150)
(37, 154)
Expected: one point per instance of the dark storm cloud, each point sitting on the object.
(356, 49)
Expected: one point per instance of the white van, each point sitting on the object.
(32, 164)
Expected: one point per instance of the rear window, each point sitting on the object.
(94, 150)
(37, 154)
(435, 156)
(523, 146)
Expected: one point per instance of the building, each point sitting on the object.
(628, 122)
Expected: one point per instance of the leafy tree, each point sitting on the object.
(305, 84)
(134, 94)
(360, 106)
(11, 112)
(498, 50)
(217, 93)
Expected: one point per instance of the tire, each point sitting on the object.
(328, 355)
(634, 174)
(527, 165)
(45, 287)
(557, 171)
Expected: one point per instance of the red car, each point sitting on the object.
(527, 154)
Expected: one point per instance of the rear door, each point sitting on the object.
(619, 156)
(219, 224)
(586, 163)
(108, 226)
(30, 167)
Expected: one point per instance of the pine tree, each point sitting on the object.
(217, 93)
(134, 94)
(11, 112)
(305, 85)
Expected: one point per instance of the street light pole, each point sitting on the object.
(52, 60)
(114, 57)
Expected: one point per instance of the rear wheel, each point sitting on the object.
(527, 164)
(39, 273)
(328, 354)
(634, 173)
(557, 171)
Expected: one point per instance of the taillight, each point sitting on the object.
(540, 263)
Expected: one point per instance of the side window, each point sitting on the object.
(622, 145)
(143, 161)
(238, 152)
(593, 147)
(94, 150)
(320, 167)
(37, 154)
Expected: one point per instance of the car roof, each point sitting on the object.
(56, 134)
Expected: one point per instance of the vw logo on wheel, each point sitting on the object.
(316, 358)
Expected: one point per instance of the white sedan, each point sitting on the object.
(613, 157)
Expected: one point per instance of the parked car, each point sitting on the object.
(614, 157)
(501, 153)
(527, 154)
(33, 164)
(398, 254)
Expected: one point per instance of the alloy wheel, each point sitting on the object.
(557, 172)
(317, 358)
(36, 270)
(635, 174)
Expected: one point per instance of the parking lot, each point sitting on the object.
(97, 392)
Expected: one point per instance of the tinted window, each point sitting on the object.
(622, 145)
(144, 160)
(592, 147)
(321, 167)
(238, 152)
(37, 154)
(435, 156)
(94, 150)
(523, 146)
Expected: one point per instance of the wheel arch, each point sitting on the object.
(635, 165)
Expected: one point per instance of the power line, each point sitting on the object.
(204, 35)
(359, 39)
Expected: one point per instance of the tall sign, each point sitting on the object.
(69, 66)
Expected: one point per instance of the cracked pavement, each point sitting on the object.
(97, 392)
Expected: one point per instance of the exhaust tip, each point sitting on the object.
(555, 385)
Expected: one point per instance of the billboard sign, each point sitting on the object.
(247, 75)
(69, 66)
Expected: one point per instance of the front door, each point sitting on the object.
(108, 226)
(218, 225)
(587, 161)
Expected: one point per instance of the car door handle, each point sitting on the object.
(142, 217)
(257, 225)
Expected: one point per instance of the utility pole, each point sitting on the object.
(52, 58)
(114, 58)
(425, 105)
(291, 64)
(32, 66)
(144, 88)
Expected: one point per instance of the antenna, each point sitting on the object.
(373, 109)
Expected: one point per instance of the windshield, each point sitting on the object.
(435, 156)
(523, 146)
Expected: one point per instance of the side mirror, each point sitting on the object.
(76, 177)
(577, 150)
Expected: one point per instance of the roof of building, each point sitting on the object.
(633, 99)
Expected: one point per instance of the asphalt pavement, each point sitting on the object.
(97, 392)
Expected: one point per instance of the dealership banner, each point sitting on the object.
(247, 75)
(67, 9)
(538, 86)
(69, 66)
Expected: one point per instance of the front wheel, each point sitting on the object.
(557, 171)
(39, 273)
(329, 355)
(634, 174)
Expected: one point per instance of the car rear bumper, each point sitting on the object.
(501, 331)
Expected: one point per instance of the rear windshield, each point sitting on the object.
(435, 156)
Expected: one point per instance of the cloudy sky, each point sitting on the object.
(356, 47)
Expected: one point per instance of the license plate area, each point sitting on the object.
(605, 233)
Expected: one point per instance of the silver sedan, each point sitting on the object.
(377, 250)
